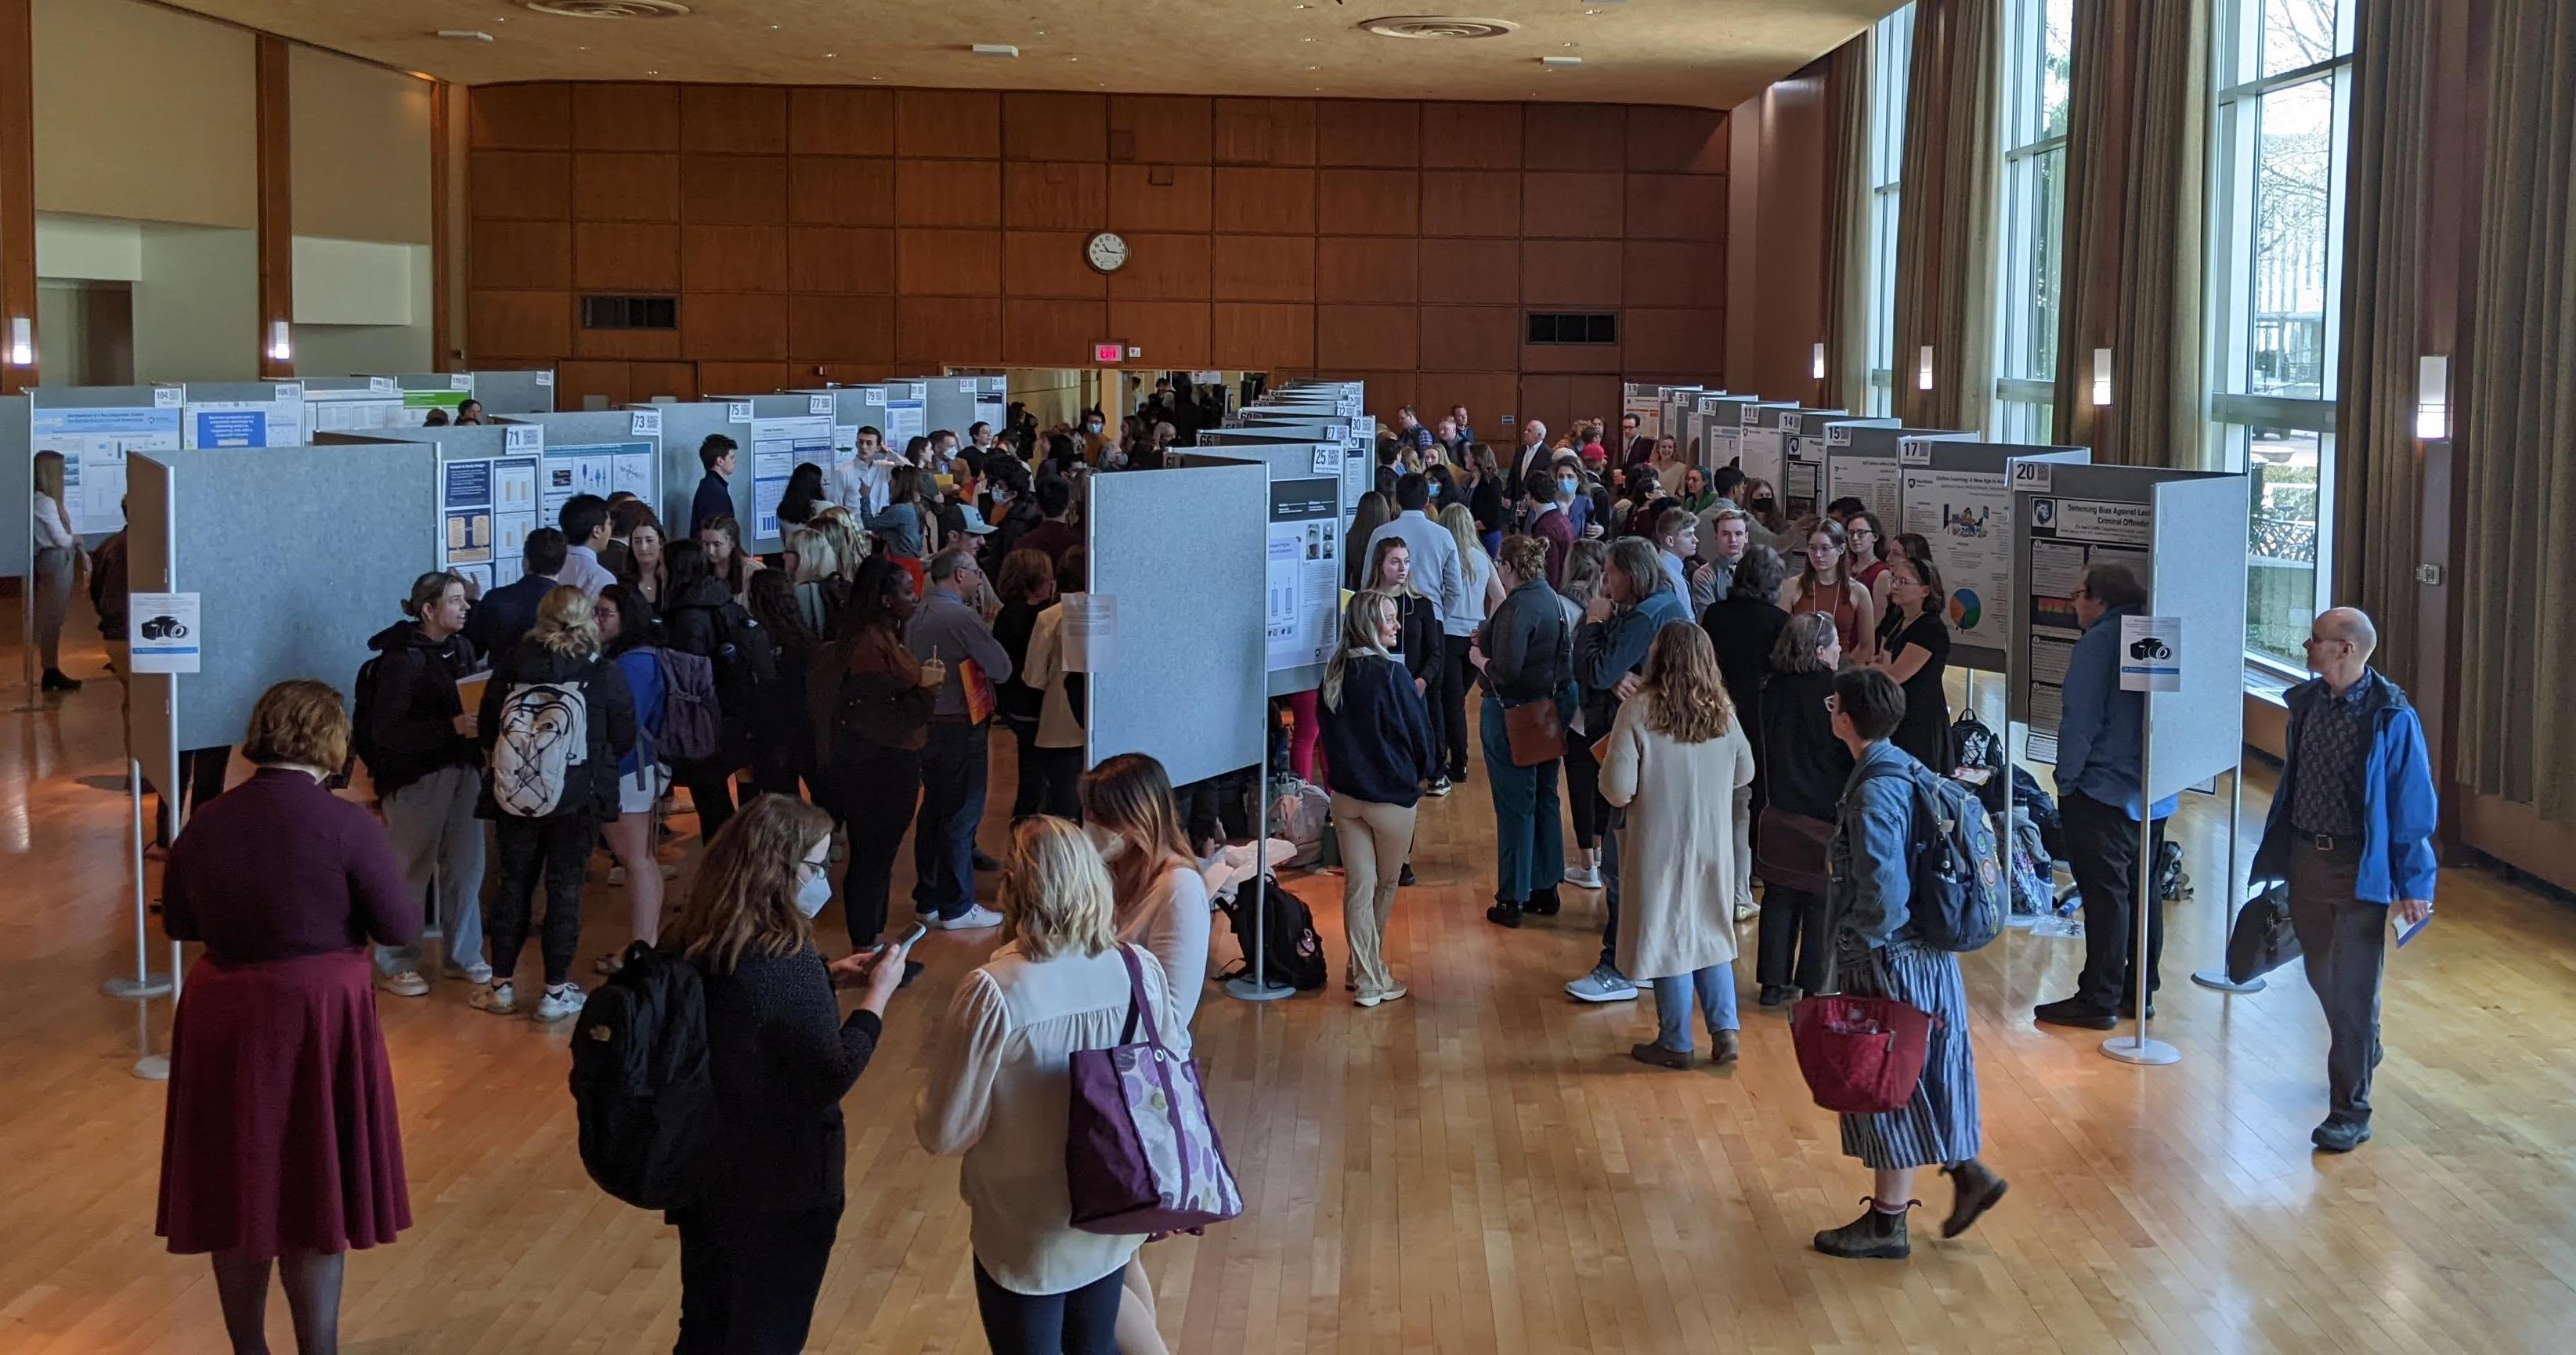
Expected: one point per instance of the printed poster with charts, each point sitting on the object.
(1967, 516)
(2067, 537)
(93, 444)
(247, 423)
(600, 468)
(1305, 573)
(777, 447)
(1871, 479)
(486, 509)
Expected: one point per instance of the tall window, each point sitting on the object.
(2276, 267)
(1891, 55)
(2038, 54)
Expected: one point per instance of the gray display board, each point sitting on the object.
(263, 620)
(1672, 409)
(242, 414)
(1714, 428)
(2181, 533)
(1186, 680)
(96, 428)
(950, 402)
(1358, 443)
(505, 391)
(1958, 496)
(1644, 399)
(1762, 443)
(1304, 541)
(17, 537)
(1862, 462)
(612, 462)
(685, 427)
(151, 699)
(783, 431)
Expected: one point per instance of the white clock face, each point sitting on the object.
(1107, 252)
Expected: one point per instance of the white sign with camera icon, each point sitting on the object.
(163, 632)
(2151, 653)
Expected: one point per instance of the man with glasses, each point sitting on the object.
(2351, 833)
(2100, 742)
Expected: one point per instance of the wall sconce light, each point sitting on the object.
(281, 341)
(22, 342)
(1817, 365)
(1923, 373)
(2101, 378)
(2433, 397)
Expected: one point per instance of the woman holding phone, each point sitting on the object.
(753, 1250)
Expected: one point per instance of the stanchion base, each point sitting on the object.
(152, 1068)
(1246, 989)
(2141, 1050)
(2217, 979)
(150, 985)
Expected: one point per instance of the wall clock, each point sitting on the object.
(1106, 252)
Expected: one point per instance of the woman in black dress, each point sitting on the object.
(1914, 649)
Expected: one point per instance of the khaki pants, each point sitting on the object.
(1374, 839)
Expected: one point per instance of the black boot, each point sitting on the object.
(1504, 913)
(1405, 877)
(1875, 1236)
(1543, 901)
(55, 680)
(1977, 1188)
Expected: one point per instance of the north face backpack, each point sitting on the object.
(545, 733)
(641, 1088)
(1959, 894)
(692, 716)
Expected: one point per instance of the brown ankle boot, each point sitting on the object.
(1977, 1188)
(1875, 1236)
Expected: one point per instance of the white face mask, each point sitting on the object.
(1111, 845)
(814, 892)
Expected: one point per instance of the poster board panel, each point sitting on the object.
(150, 697)
(17, 538)
(95, 428)
(2199, 731)
(242, 414)
(1958, 497)
(687, 426)
(1186, 683)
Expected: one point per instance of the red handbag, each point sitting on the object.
(1860, 1055)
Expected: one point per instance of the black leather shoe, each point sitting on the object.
(1406, 876)
(1543, 901)
(1978, 1188)
(1776, 994)
(2081, 1015)
(1504, 914)
(1874, 1236)
(2332, 1137)
(983, 862)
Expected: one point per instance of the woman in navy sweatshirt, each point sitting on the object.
(1378, 751)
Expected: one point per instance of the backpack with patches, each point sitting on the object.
(544, 735)
(1959, 896)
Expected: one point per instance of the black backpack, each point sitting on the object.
(1980, 759)
(1292, 953)
(640, 1081)
(362, 719)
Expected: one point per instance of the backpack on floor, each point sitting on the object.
(1292, 954)
(692, 716)
(1298, 811)
(545, 733)
(1959, 896)
(641, 1087)
(1981, 756)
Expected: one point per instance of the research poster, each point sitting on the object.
(1967, 516)
(1305, 573)
(94, 443)
(1871, 479)
(277, 422)
(372, 409)
(1647, 403)
(1762, 450)
(2068, 536)
(486, 509)
(1802, 475)
(777, 446)
(905, 420)
(600, 468)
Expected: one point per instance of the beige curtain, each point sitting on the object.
(2378, 484)
(2517, 578)
(1847, 85)
(1945, 233)
(2136, 160)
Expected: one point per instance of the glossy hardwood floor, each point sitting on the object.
(1476, 1168)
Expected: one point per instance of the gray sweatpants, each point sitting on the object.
(2343, 941)
(436, 837)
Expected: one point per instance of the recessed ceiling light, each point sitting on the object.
(1073, 58)
(1314, 68)
(829, 55)
(652, 72)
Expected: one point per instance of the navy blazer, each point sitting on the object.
(505, 615)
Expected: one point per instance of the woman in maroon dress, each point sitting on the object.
(280, 1141)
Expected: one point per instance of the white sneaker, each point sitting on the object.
(616, 876)
(1746, 912)
(975, 918)
(473, 973)
(1603, 984)
(407, 983)
(1439, 786)
(1583, 877)
(500, 999)
(1387, 994)
(559, 1003)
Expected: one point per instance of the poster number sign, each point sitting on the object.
(2035, 476)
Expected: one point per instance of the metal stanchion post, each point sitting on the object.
(2227, 901)
(2137, 1047)
(144, 983)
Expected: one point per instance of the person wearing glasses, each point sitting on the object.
(2100, 743)
(2351, 833)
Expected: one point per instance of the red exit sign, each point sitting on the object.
(1108, 353)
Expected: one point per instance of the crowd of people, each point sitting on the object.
(1732, 695)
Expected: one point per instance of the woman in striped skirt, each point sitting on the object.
(1880, 953)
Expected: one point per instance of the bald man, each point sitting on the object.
(2351, 833)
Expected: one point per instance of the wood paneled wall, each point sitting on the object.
(846, 233)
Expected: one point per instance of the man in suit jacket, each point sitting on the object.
(1531, 455)
(504, 616)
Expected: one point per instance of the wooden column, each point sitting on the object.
(443, 99)
(17, 184)
(276, 202)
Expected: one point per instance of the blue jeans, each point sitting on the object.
(1529, 838)
(953, 770)
(1715, 986)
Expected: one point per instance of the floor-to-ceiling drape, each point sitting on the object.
(1847, 86)
(1945, 236)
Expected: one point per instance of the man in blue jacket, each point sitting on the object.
(504, 616)
(2351, 832)
(1636, 601)
(2100, 742)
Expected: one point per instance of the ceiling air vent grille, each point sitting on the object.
(1438, 27)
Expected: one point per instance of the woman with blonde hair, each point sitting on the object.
(849, 543)
(1134, 819)
(782, 1056)
(281, 1142)
(1483, 592)
(1378, 750)
(1826, 585)
(814, 566)
(58, 554)
(542, 824)
(1000, 1076)
(1674, 759)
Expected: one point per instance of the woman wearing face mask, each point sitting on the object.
(753, 1250)
(1378, 750)
(1133, 818)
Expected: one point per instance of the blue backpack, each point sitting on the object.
(1959, 893)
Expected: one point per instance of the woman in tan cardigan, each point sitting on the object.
(1674, 760)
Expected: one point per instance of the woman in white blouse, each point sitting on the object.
(998, 1086)
(58, 551)
(1162, 905)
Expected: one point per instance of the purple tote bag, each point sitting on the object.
(1140, 1153)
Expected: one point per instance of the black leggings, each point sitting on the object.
(1583, 789)
(1793, 948)
(877, 792)
(748, 1280)
(1079, 1321)
(559, 848)
(1455, 676)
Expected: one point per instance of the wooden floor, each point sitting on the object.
(1477, 1168)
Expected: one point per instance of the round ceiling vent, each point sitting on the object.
(608, 9)
(1438, 27)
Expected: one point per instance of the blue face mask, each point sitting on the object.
(1567, 486)
(1433, 489)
